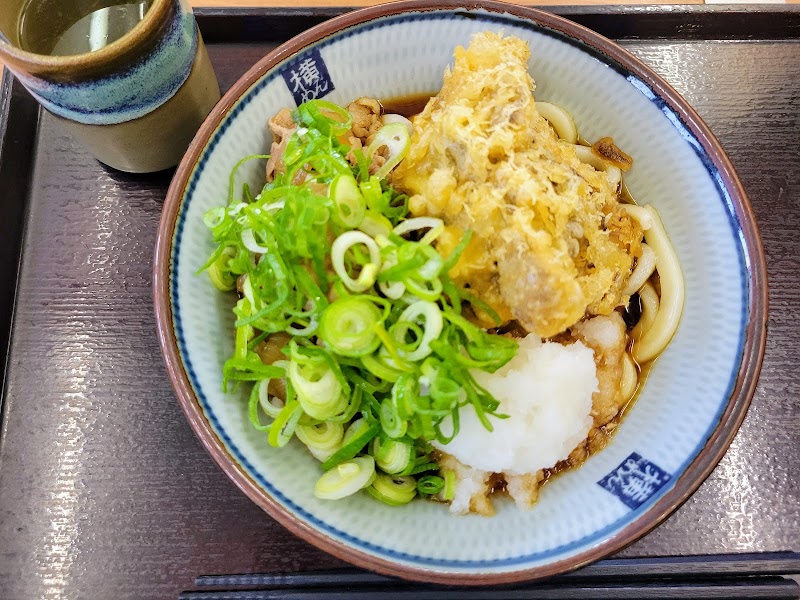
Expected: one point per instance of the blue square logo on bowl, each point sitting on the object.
(635, 480)
(307, 77)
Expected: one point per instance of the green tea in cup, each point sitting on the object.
(130, 78)
(60, 28)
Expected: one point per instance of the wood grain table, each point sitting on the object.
(105, 492)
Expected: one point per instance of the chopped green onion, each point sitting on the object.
(379, 368)
(435, 225)
(373, 194)
(393, 490)
(220, 274)
(322, 436)
(318, 390)
(432, 317)
(350, 206)
(427, 290)
(369, 272)
(379, 353)
(430, 485)
(346, 478)
(348, 326)
(394, 137)
(321, 454)
(283, 427)
(249, 241)
(327, 117)
(392, 456)
(358, 435)
(242, 340)
(403, 394)
(392, 423)
(423, 468)
(446, 392)
(449, 489)
(249, 369)
(265, 401)
(353, 406)
(451, 260)
(232, 179)
(259, 396)
(374, 224)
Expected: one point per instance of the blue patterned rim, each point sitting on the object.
(388, 553)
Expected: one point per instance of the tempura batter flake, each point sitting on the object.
(550, 243)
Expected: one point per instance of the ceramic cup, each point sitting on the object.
(135, 103)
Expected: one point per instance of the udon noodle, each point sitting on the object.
(657, 268)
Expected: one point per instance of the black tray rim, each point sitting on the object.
(16, 106)
(619, 22)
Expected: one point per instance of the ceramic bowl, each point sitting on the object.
(697, 392)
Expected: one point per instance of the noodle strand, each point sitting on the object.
(645, 267)
(656, 338)
(640, 213)
(650, 304)
(560, 119)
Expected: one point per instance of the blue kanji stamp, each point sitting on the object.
(307, 77)
(635, 480)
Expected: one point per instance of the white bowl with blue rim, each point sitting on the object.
(696, 394)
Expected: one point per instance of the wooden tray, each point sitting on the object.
(105, 493)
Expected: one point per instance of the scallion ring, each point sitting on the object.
(220, 274)
(318, 390)
(393, 490)
(431, 315)
(349, 204)
(392, 456)
(358, 435)
(393, 136)
(346, 478)
(283, 427)
(348, 326)
(321, 454)
(271, 405)
(395, 118)
(430, 485)
(375, 224)
(392, 423)
(369, 272)
(426, 290)
(214, 217)
(431, 269)
(323, 436)
(435, 225)
(353, 406)
(249, 242)
(379, 368)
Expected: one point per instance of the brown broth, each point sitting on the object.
(408, 106)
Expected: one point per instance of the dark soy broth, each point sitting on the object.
(408, 106)
(64, 28)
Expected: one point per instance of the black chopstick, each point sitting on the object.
(732, 589)
(715, 565)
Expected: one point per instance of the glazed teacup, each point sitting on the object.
(132, 81)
